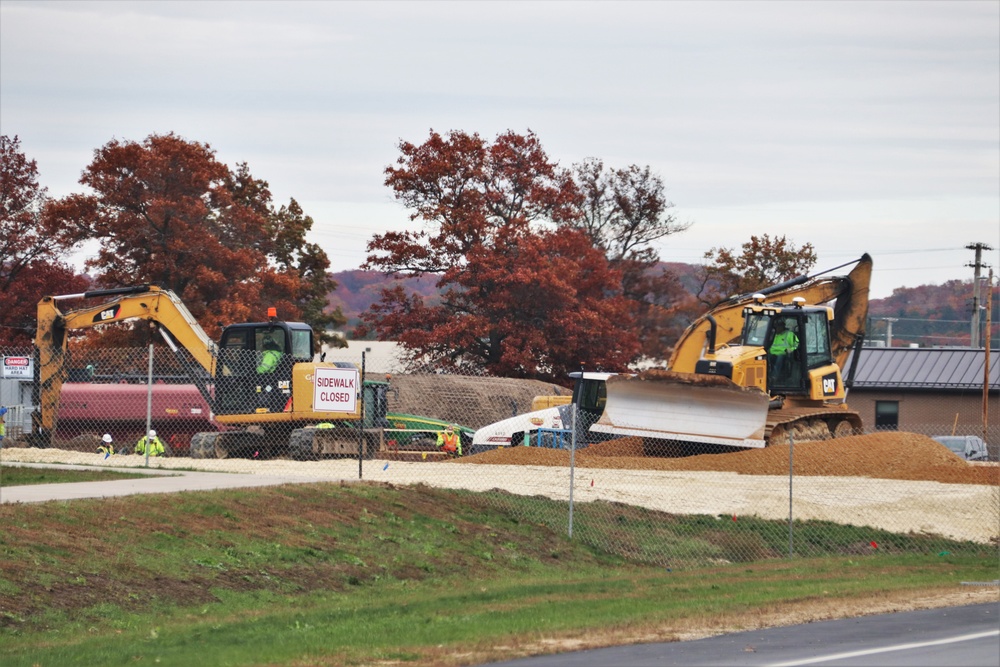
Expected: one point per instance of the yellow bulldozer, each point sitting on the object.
(727, 383)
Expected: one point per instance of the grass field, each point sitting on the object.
(365, 574)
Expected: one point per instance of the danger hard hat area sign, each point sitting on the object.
(18, 367)
(335, 390)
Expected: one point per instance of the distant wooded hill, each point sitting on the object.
(926, 315)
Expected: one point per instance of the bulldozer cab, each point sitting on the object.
(254, 370)
(794, 339)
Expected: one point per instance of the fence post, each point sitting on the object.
(572, 467)
(361, 421)
(149, 403)
(791, 477)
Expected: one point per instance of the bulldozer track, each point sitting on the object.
(809, 424)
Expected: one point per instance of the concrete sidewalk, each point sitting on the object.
(152, 481)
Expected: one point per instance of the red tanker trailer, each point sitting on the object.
(178, 412)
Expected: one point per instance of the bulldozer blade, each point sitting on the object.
(685, 407)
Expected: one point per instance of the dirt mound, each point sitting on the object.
(886, 455)
(466, 400)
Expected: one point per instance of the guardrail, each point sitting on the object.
(552, 438)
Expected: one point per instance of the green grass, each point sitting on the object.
(20, 476)
(358, 574)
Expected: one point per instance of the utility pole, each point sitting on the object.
(977, 266)
(888, 329)
(986, 361)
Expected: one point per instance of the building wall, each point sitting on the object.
(380, 356)
(934, 412)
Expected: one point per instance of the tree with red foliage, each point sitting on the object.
(761, 262)
(519, 297)
(167, 212)
(31, 247)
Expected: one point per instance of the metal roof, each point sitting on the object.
(959, 368)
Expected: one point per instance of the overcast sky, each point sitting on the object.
(855, 126)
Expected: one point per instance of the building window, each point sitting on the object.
(886, 415)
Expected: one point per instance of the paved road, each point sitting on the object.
(153, 481)
(953, 636)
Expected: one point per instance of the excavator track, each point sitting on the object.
(809, 424)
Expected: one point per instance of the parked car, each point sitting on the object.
(969, 447)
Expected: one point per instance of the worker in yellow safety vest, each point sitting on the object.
(784, 345)
(270, 357)
(108, 447)
(449, 441)
(156, 447)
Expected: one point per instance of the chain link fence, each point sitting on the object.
(673, 505)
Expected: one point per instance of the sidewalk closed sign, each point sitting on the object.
(18, 367)
(335, 390)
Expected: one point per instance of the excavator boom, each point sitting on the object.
(145, 302)
(723, 324)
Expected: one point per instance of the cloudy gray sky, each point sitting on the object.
(855, 126)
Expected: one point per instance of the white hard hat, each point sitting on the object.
(152, 433)
(107, 437)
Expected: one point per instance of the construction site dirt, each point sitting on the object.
(901, 482)
(883, 455)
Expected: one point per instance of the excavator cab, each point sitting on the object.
(795, 340)
(254, 371)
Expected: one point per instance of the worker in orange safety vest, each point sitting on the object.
(450, 441)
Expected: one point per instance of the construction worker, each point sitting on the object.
(270, 357)
(156, 447)
(785, 343)
(107, 448)
(449, 441)
(3, 424)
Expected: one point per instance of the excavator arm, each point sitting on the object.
(724, 323)
(145, 302)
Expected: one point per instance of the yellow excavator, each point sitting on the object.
(725, 386)
(262, 406)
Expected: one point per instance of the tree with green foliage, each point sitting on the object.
(520, 295)
(166, 211)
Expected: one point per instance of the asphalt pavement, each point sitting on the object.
(966, 636)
